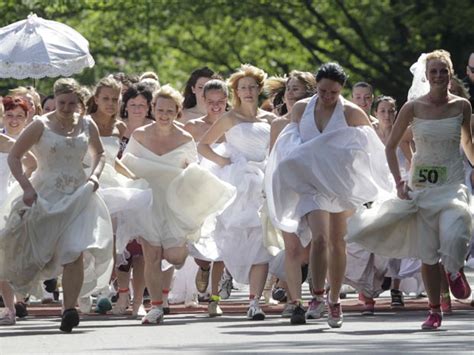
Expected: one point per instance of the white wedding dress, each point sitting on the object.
(435, 224)
(335, 170)
(67, 219)
(239, 234)
(184, 194)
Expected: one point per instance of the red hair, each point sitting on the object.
(10, 103)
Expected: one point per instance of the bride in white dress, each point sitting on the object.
(431, 220)
(57, 221)
(335, 164)
(165, 155)
(16, 113)
(239, 234)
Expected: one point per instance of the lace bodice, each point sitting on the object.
(437, 160)
(250, 139)
(307, 126)
(60, 159)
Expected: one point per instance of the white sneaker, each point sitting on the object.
(140, 312)
(193, 302)
(316, 309)
(154, 316)
(7, 317)
(85, 304)
(255, 312)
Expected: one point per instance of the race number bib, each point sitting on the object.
(425, 175)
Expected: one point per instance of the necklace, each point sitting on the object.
(438, 101)
(67, 128)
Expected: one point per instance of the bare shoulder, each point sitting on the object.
(298, 109)
(140, 133)
(183, 135)
(266, 116)
(279, 123)
(355, 116)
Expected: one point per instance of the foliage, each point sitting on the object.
(376, 41)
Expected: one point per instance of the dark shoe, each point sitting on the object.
(166, 310)
(397, 299)
(50, 285)
(21, 311)
(69, 320)
(298, 315)
(279, 294)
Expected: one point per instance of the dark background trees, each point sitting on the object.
(376, 41)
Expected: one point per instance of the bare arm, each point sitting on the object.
(97, 153)
(276, 127)
(355, 116)
(404, 119)
(406, 145)
(216, 131)
(466, 132)
(27, 139)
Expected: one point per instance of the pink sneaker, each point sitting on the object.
(433, 321)
(459, 286)
(446, 306)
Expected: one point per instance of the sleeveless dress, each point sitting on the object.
(335, 170)
(67, 219)
(239, 234)
(436, 223)
(183, 195)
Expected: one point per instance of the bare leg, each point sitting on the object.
(73, 277)
(8, 296)
(337, 250)
(138, 282)
(153, 275)
(431, 278)
(294, 255)
(258, 276)
(217, 271)
(319, 224)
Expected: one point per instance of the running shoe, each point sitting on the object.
(255, 312)
(288, 310)
(299, 315)
(316, 309)
(335, 317)
(226, 286)
(459, 286)
(202, 279)
(433, 321)
(21, 310)
(154, 316)
(397, 299)
(69, 320)
(279, 294)
(7, 317)
(213, 309)
(103, 305)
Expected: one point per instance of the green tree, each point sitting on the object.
(375, 41)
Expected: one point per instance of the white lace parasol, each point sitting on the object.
(37, 48)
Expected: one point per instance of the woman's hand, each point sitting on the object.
(224, 161)
(402, 190)
(29, 196)
(95, 180)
